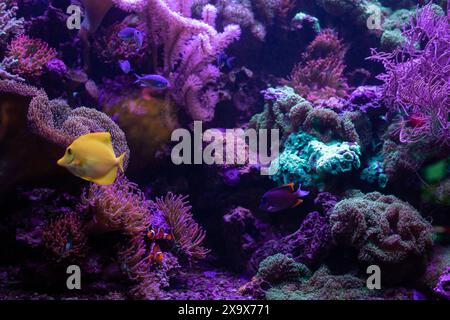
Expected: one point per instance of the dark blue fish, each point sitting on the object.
(132, 34)
(154, 81)
(224, 60)
(125, 66)
(282, 198)
(127, 34)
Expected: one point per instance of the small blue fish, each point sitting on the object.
(125, 66)
(153, 81)
(132, 34)
(281, 198)
(224, 60)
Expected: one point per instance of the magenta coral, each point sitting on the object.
(416, 82)
(27, 56)
(320, 76)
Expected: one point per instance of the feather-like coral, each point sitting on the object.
(188, 235)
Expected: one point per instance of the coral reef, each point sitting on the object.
(307, 160)
(385, 230)
(64, 237)
(308, 245)
(28, 57)
(416, 79)
(188, 235)
(10, 25)
(319, 76)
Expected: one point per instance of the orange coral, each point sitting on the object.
(65, 238)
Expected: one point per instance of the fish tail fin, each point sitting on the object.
(120, 160)
(300, 192)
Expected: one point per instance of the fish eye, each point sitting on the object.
(69, 151)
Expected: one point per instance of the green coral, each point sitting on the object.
(374, 173)
(385, 231)
(323, 286)
(307, 160)
(283, 110)
(280, 267)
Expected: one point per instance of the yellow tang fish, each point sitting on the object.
(91, 157)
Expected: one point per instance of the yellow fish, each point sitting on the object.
(91, 157)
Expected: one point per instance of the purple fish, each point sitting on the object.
(282, 198)
(127, 34)
(154, 81)
(125, 66)
(132, 34)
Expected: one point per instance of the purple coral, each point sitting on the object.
(443, 286)
(309, 244)
(190, 47)
(417, 78)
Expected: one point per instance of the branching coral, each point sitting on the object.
(385, 230)
(65, 237)
(188, 235)
(320, 76)
(306, 160)
(416, 82)
(189, 48)
(55, 121)
(10, 25)
(28, 57)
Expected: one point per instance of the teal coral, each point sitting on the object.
(374, 173)
(307, 160)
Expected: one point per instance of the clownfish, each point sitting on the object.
(158, 234)
(156, 254)
(282, 198)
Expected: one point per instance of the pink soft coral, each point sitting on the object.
(28, 57)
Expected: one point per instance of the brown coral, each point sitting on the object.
(65, 238)
(385, 230)
(188, 235)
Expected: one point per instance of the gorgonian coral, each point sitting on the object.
(385, 230)
(417, 78)
(189, 48)
(65, 237)
(10, 25)
(28, 57)
(188, 235)
(321, 75)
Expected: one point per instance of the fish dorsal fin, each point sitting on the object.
(103, 137)
(298, 202)
(108, 178)
(289, 186)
